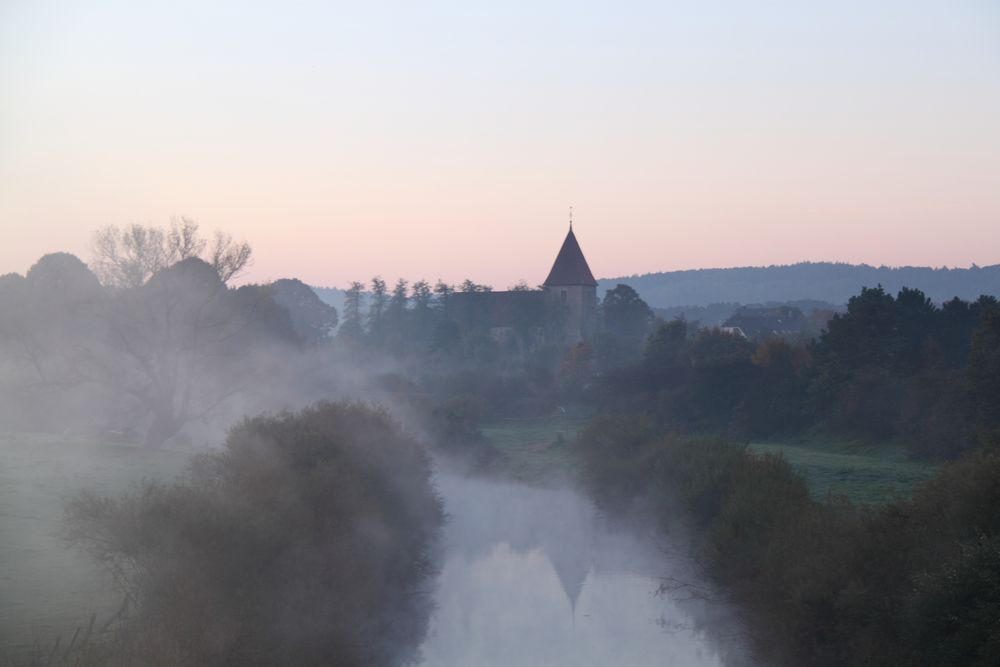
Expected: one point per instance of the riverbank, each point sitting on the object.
(823, 582)
(544, 448)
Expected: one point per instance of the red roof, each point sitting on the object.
(570, 267)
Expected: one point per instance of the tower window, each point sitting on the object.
(563, 295)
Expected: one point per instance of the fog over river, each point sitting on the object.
(536, 576)
(528, 575)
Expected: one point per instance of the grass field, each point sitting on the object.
(531, 450)
(534, 450)
(862, 472)
(46, 588)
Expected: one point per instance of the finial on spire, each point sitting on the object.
(570, 218)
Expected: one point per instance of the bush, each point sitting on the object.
(955, 611)
(915, 582)
(304, 541)
(616, 455)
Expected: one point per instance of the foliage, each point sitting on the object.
(615, 454)
(984, 376)
(576, 366)
(955, 611)
(625, 321)
(888, 369)
(172, 344)
(313, 320)
(914, 582)
(455, 425)
(352, 328)
(155, 357)
(304, 541)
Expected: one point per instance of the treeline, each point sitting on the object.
(418, 319)
(450, 344)
(159, 344)
(913, 583)
(889, 368)
(150, 342)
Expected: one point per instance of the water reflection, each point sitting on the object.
(535, 577)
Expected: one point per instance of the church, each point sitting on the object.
(571, 285)
(563, 311)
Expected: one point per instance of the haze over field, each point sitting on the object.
(447, 139)
(386, 334)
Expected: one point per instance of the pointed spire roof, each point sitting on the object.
(570, 267)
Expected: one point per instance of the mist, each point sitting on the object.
(200, 472)
(157, 420)
(543, 565)
(312, 349)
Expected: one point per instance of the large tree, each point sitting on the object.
(354, 297)
(128, 256)
(180, 345)
(46, 318)
(376, 311)
(625, 322)
(625, 314)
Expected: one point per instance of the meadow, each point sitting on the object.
(863, 472)
(47, 589)
(533, 450)
(537, 449)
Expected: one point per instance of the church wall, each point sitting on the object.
(579, 304)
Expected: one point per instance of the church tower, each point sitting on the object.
(571, 287)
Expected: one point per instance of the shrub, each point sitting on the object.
(955, 610)
(304, 541)
(616, 456)
(914, 582)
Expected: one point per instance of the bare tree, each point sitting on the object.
(229, 258)
(128, 256)
(183, 240)
(176, 345)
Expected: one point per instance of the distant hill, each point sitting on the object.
(331, 296)
(821, 281)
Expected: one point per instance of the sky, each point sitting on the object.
(449, 139)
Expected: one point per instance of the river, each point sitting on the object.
(528, 576)
(536, 576)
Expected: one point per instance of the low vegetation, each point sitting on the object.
(915, 581)
(536, 450)
(864, 473)
(305, 541)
